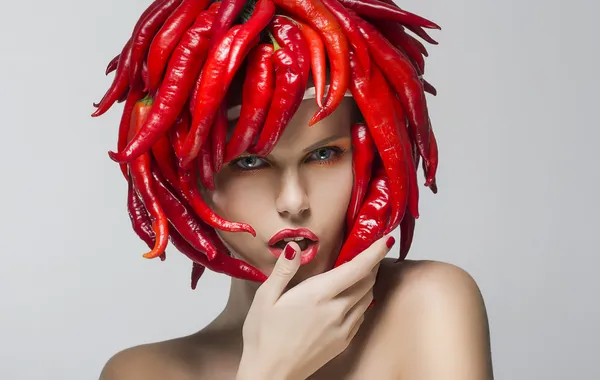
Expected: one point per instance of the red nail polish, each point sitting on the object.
(289, 252)
(390, 242)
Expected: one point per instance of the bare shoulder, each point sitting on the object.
(436, 319)
(161, 360)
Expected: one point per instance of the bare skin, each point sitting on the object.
(429, 322)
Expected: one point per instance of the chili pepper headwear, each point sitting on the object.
(175, 71)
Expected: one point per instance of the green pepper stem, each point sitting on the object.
(275, 44)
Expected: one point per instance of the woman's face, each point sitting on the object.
(304, 183)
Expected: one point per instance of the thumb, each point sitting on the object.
(284, 270)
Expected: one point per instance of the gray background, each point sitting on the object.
(516, 120)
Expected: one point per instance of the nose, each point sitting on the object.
(292, 199)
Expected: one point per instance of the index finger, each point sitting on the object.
(341, 278)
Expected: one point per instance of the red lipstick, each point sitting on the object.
(309, 244)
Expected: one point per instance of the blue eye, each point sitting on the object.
(249, 162)
(326, 155)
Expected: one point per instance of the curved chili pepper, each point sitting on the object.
(433, 158)
(228, 11)
(183, 68)
(210, 93)
(222, 263)
(288, 34)
(143, 36)
(140, 220)
(403, 78)
(375, 101)
(257, 92)
(354, 37)
(427, 87)
(197, 272)
(125, 125)
(417, 43)
(316, 14)
(182, 218)
(371, 221)
(139, 170)
(112, 65)
(363, 153)
(395, 33)
(168, 37)
(380, 10)
(218, 73)
(407, 231)
(318, 60)
(413, 186)
(205, 166)
(421, 33)
(218, 134)
(165, 158)
(120, 82)
(287, 97)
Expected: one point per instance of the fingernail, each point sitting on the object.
(289, 252)
(390, 242)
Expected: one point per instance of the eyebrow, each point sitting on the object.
(320, 143)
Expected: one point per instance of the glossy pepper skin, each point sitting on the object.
(221, 263)
(375, 101)
(288, 94)
(171, 97)
(288, 34)
(381, 10)
(142, 37)
(132, 98)
(169, 36)
(228, 11)
(182, 218)
(120, 82)
(372, 219)
(257, 93)
(218, 135)
(363, 155)
(139, 170)
(316, 14)
(218, 72)
(318, 60)
(140, 220)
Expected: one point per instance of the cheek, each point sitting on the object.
(240, 198)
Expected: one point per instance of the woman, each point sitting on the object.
(277, 142)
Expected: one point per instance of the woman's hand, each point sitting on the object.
(289, 336)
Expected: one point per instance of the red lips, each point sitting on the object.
(289, 233)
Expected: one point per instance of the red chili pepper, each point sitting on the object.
(433, 159)
(169, 36)
(120, 82)
(142, 37)
(140, 220)
(288, 34)
(165, 158)
(413, 186)
(403, 78)
(183, 68)
(112, 65)
(371, 221)
(218, 136)
(139, 170)
(182, 218)
(132, 98)
(257, 92)
(380, 10)
(222, 263)
(316, 14)
(218, 73)
(407, 231)
(318, 60)
(375, 101)
(287, 97)
(228, 11)
(210, 93)
(354, 37)
(363, 153)
(395, 33)
(205, 166)
(427, 87)
(421, 33)
(197, 272)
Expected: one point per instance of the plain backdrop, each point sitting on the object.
(516, 121)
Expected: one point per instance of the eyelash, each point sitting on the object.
(337, 154)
